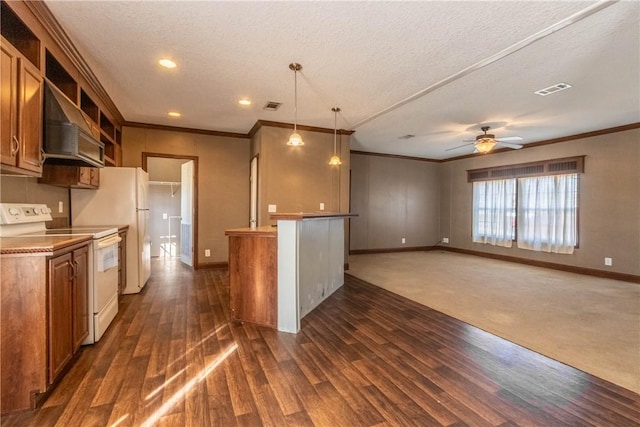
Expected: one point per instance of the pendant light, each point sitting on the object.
(335, 159)
(295, 139)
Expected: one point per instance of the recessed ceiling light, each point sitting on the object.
(167, 63)
(552, 89)
(174, 114)
(244, 102)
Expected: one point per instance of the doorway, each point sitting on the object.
(173, 206)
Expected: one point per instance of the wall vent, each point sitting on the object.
(272, 106)
(564, 166)
(478, 176)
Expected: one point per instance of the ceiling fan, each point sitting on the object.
(487, 141)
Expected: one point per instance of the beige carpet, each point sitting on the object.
(590, 323)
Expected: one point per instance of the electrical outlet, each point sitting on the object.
(608, 261)
(207, 252)
(404, 241)
(272, 208)
(445, 240)
(165, 216)
(60, 207)
(321, 206)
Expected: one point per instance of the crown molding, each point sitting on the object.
(396, 156)
(185, 130)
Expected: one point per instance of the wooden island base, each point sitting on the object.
(253, 275)
(279, 275)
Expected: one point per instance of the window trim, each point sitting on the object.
(560, 166)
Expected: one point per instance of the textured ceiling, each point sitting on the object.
(434, 69)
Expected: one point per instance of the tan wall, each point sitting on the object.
(298, 179)
(165, 169)
(609, 201)
(223, 180)
(16, 189)
(394, 198)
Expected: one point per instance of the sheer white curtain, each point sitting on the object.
(494, 212)
(547, 213)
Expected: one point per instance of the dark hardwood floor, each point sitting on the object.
(364, 357)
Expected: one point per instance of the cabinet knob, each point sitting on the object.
(15, 146)
(74, 269)
(42, 158)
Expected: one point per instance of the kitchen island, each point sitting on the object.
(279, 274)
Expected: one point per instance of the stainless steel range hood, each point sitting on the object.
(68, 136)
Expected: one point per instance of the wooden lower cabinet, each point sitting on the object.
(80, 296)
(68, 307)
(44, 320)
(60, 315)
(253, 277)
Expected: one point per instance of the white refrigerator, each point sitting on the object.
(122, 199)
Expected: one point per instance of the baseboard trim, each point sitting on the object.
(569, 268)
(389, 250)
(213, 266)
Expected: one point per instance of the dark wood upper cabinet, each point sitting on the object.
(89, 107)
(22, 97)
(19, 35)
(56, 73)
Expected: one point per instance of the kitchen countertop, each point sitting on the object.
(297, 216)
(39, 245)
(120, 227)
(256, 231)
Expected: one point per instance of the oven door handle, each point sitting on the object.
(105, 243)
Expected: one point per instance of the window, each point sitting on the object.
(494, 212)
(548, 213)
(534, 203)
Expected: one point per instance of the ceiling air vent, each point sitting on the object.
(272, 106)
(407, 136)
(552, 89)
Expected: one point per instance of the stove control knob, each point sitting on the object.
(14, 211)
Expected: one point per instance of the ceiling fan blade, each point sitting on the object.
(459, 146)
(509, 138)
(510, 145)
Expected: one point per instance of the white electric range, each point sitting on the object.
(25, 220)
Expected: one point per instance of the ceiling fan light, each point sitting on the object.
(484, 145)
(295, 139)
(335, 160)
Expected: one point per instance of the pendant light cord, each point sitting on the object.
(295, 100)
(335, 129)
